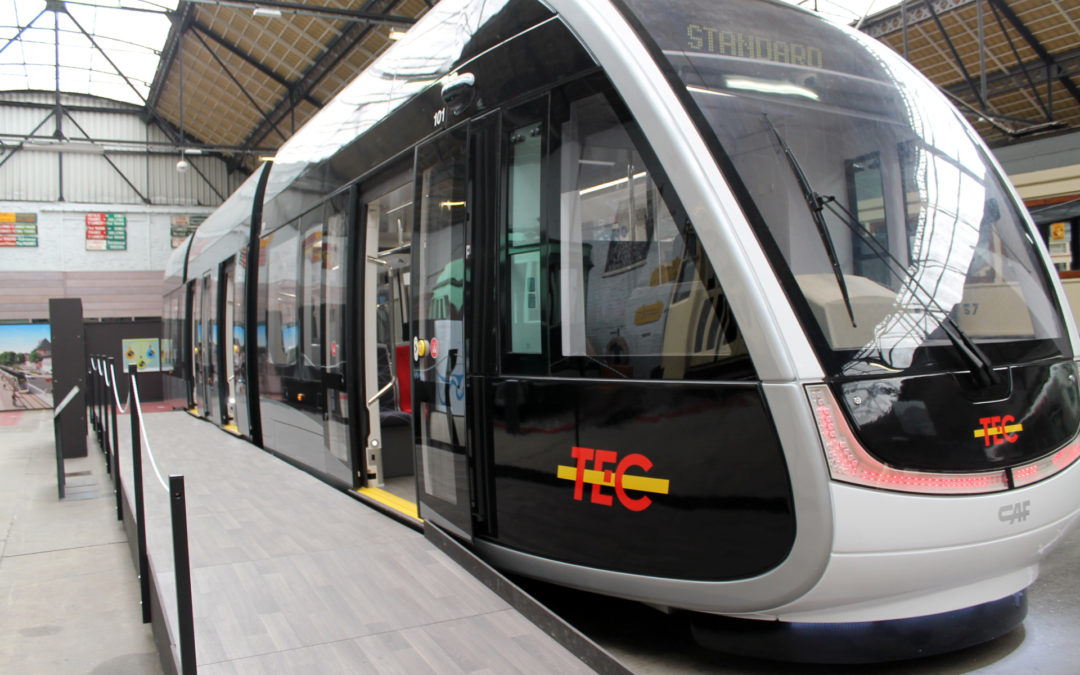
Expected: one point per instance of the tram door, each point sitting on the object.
(238, 347)
(388, 450)
(335, 351)
(208, 350)
(226, 353)
(441, 259)
(197, 330)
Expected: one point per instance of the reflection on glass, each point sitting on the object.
(923, 227)
(637, 296)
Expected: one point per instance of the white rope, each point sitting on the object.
(121, 409)
(142, 430)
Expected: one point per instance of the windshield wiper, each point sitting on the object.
(982, 368)
(816, 203)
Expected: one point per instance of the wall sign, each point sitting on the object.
(182, 226)
(143, 353)
(106, 232)
(18, 229)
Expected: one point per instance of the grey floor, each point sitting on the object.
(648, 642)
(292, 576)
(69, 598)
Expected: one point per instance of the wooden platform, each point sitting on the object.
(292, 575)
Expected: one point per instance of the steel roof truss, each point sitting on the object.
(248, 59)
(1052, 69)
(335, 51)
(21, 30)
(27, 137)
(241, 87)
(102, 52)
(985, 78)
(956, 55)
(107, 159)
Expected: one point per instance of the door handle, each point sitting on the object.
(382, 392)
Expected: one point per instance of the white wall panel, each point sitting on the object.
(31, 176)
(23, 120)
(62, 238)
(90, 178)
(105, 126)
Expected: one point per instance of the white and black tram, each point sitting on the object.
(711, 305)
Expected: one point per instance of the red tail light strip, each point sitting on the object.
(1048, 466)
(850, 463)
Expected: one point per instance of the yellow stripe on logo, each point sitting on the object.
(994, 431)
(629, 481)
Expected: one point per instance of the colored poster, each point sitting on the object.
(106, 232)
(143, 353)
(25, 366)
(18, 229)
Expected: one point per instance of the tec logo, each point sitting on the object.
(999, 429)
(603, 469)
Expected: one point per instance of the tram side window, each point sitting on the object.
(282, 321)
(311, 310)
(637, 297)
(523, 238)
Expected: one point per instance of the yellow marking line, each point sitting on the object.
(194, 411)
(393, 501)
(994, 431)
(232, 429)
(629, 481)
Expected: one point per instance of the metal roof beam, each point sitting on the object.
(335, 52)
(956, 54)
(15, 37)
(984, 77)
(323, 11)
(1005, 81)
(122, 145)
(181, 19)
(897, 18)
(239, 86)
(102, 52)
(247, 58)
(79, 108)
(1036, 46)
(24, 139)
(1048, 113)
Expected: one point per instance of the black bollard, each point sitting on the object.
(115, 441)
(140, 512)
(182, 566)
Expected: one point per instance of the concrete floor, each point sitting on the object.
(69, 600)
(648, 642)
(69, 595)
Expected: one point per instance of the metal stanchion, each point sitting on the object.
(90, 395)
(61, 477)
(182, 567)
(111, 374)
(140, 512)
(106, 446)
(100, 402)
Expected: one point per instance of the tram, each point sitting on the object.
(714, 306)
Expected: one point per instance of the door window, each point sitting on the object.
(440, 278)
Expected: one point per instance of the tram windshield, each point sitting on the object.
(894, 235)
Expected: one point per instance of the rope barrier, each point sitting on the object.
(142, 430)
(121, 409)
